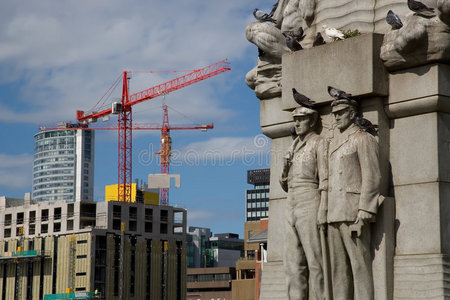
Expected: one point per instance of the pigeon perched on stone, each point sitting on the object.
(274, 8)
(292, 43)
(366, 125)
(318, 40)
(333, 33)
(262, 16)
(292, 132)
(393, 20)
(302, 99)
(338, 94)
(420, 9)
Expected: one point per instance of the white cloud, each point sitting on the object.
(199, 215)
(15, 170)
(224, 151)
(67, 53)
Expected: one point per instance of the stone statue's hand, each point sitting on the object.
(364, 217)
(287, 161)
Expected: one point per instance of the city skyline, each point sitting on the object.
(60, 57)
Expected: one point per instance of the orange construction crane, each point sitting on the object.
(125, 124)
(166, 147)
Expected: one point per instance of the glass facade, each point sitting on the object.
(63, 165)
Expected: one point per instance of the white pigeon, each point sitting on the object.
(332, 33)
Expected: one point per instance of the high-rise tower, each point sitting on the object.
(63, 166)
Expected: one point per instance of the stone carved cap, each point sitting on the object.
(303, 111)
(341, 104)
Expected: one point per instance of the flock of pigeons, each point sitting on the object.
(337, 94)
(293, 43)
(293, 40)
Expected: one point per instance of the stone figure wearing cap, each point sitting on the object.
(304, 177)
(353, 194)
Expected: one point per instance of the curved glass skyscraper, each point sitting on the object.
(63, 166)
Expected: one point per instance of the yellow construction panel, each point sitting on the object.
(151, 198)
(111, 192)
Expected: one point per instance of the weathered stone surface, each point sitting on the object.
(417, 218)
(421, 40)
(273, 286)
(351, 65)
(414, 143)
(421, 277)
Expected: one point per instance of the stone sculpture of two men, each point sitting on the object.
(333, 185)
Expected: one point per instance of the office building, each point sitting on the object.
(198, 245)
(225, 249)
(110, 248)
(63, 167)
(249, 268)
(210, 283)
(257, 199)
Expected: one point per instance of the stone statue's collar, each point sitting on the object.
(298, 143)
(349, 131)
(307, 137)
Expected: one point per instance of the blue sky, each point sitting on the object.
(60, 56)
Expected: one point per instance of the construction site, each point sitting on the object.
(63, 245)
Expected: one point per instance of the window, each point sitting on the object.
(57, 213)
(44, 215)
(44, 228)
(81, 256)
(132, 212)
(148, 227)
(148, 214)
(20, 218)
(82, 242)
(164, 215)
(32, 216)
(163, 228)
(8, 219)
(57, 227)
(69, 224)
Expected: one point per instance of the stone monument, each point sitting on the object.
(401, 80)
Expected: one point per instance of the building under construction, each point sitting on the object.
(104, 250)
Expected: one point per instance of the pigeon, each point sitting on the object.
(338, 94)
(274, 8)
(366, 125)
(292, 132)
(292, 43)
(318, 40)
(262, 16)
(302, 99)
(420, 9)
(333, 33)
(393, 20)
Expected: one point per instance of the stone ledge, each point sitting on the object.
(352, 65)
(436, 103)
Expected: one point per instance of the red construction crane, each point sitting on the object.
(165, 141)
(125, 123)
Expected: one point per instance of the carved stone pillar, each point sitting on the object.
(419, 108)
